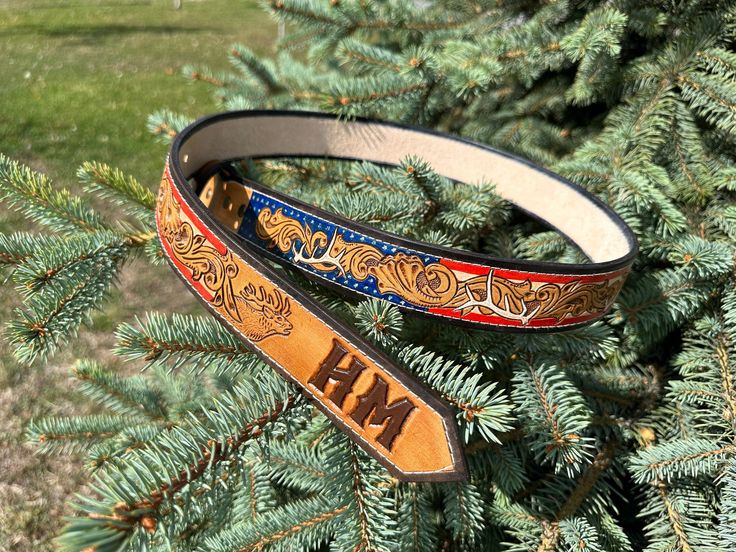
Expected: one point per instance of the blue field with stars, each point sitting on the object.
(368, 287)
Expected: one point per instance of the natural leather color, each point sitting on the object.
(216, 231)
(308, 348)
(368, 262)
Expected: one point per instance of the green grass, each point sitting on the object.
(79, 78)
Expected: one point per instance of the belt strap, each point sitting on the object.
(216, 229)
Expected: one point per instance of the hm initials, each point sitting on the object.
(373, 405)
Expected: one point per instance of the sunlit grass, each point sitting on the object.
(80, 77)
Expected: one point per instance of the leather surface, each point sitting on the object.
(412, 275)
(217, 238)
(396, 420)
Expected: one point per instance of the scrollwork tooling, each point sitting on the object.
(432, 284)
(257, 312)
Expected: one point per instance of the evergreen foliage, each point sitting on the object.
(616, 437)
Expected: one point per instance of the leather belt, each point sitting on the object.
(217, 229)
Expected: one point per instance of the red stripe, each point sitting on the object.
(204, 292)
(214, 241)
(481, 270)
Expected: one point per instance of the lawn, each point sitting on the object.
(80, 78)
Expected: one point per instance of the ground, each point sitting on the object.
(79, 78)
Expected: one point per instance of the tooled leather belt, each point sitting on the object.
(216, 232)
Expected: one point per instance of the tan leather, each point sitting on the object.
(299, 343)
(394, 418)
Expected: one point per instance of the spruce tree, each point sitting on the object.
(619, 436)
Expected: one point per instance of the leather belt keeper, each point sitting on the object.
(217, 232)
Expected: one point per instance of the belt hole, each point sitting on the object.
(241, 210)
(227, 203)
(208, 195)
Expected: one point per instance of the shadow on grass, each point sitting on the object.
(97, 33)
(50, 4)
